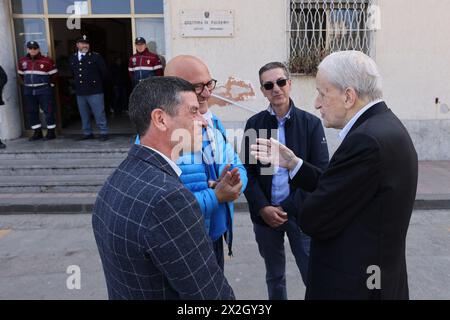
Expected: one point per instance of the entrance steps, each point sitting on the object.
(55, 180)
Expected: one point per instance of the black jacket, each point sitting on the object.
(89, 73)
(359, 210)
(304, 135)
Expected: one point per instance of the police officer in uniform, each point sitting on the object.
(89, 71)
(39, 77)
(143, 64)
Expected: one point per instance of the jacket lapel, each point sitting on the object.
(152, 158)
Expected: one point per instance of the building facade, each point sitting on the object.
(407, 40)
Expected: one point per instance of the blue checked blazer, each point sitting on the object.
(151, 237)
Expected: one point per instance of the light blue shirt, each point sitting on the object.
(280, 180)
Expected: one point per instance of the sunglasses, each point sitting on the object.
(280, 83)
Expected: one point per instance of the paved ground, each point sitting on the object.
(35, 251)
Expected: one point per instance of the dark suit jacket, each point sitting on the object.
(304, 135)
(359, 210)
(151, 235)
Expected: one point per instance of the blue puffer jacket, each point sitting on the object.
(198, 168)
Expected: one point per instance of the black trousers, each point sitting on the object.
(45, 102)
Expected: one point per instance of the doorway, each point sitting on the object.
(112, 39)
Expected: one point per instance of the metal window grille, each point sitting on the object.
(320, 27)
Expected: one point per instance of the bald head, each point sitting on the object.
(195, 71)
(185, 66)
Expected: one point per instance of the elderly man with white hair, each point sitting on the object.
(359, 208)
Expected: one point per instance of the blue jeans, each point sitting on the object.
(271, 247)
(94, 103)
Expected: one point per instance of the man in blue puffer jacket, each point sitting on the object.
(216, 175)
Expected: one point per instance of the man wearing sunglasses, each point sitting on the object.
(269, 196)
(215, 176)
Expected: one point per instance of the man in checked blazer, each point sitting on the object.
(359, 208)
(148, 227)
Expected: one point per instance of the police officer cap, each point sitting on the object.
(140, 40)
(32, 45)
(83, 38)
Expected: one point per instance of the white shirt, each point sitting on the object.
(344, 132)
(210, 129)
(169, 161)
(80, 55)
(208, 117)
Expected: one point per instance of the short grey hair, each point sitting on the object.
(153, 93)
(274, 65)
(353, 69)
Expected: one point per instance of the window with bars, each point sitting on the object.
(319, 27)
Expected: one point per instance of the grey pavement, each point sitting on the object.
(35, 251)
(63, 175)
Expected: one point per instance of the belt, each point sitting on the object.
(36, 85)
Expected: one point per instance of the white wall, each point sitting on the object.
(413, 50)
(259, 37)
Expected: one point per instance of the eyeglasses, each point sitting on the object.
(280, 83)
(200, 87)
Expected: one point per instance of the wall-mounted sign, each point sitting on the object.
(195, 23)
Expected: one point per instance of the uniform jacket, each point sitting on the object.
(144, 65)
(89, 74)
(37, 72)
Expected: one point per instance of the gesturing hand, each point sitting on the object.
(229, 186)
(271, 151)
(234, 180)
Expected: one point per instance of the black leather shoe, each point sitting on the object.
(37, 135)
(103, 137)
(86, 137)
(50, 134)
(2, 145)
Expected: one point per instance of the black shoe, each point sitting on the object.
(37, 135)
(2, 103)
(86, 137)
(103, 137)
(50, 134)
(2, 145)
